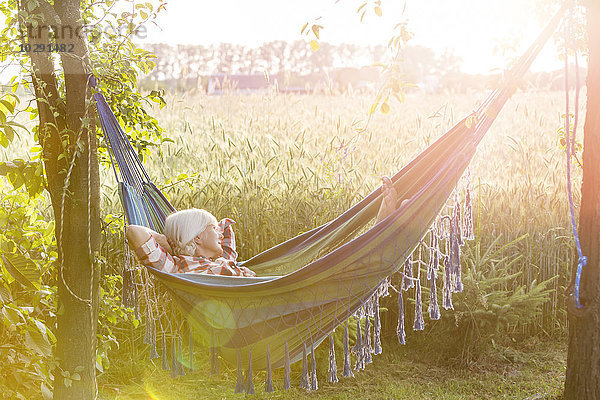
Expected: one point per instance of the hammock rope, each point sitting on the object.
(313, 283)
(570, 150)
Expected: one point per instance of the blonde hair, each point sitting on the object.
(182, 227)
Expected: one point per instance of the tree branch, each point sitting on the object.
(48, 11)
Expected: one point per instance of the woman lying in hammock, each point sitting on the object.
(194, 242)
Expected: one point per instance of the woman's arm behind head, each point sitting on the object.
(138, 235)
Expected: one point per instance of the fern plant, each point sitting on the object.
(493, 305)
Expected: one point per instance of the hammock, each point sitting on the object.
(311, 284)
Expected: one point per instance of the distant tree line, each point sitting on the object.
(185, 67)
(189, 61)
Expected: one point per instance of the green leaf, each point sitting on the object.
(22, 269)
(5, 295)
(46, 391)
(10, 132)
(99, 366)
(8, 105)
(13, 315)
(304, 28)
(315, 29)
(373, 108)
(385, 108)
(38, 343)
(41, 327)
(3, 140)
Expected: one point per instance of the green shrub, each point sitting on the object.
(27, 295)
(493, 306)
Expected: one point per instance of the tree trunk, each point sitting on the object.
(583, 362)
(69, 150)
(78, 280)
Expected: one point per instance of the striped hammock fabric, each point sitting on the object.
(311, 284)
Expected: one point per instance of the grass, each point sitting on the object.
(399, 373)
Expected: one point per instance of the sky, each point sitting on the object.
(471, 29)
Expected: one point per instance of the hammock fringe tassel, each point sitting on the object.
(455, 243)
(164, 356)
(249, 382)
(419, 324)
(377, 329)
(347, 372)
(468, 231)
(367, 349)
(239, 387)
(153, 353)
(180, 356)
(129, 289)
(269, 377)
(286, 368)
(332, 365)
(304, 377)
(447, 299)
(191, 352)
(407, 282)
(400, 329)
(358, 349)
(434, 308)
(152, 337)
(174, 368)
(314, 385)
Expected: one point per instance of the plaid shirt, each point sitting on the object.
(151, 254)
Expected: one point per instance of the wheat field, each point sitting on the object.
(282, 164)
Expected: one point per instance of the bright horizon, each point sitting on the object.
(469, 29)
